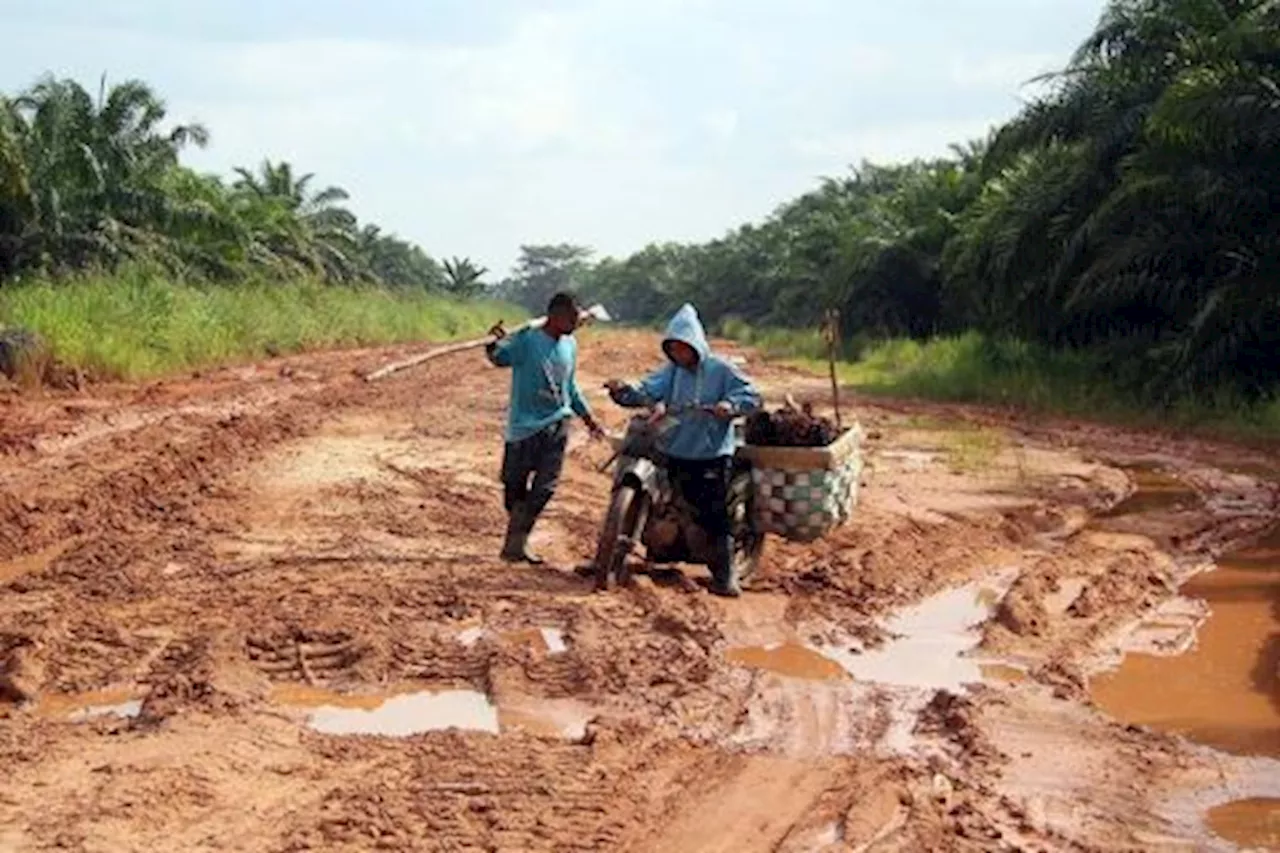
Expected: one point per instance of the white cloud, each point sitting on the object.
(721, 123)
(864, 61)
(609, 122)
(470, 149)
(520, 94)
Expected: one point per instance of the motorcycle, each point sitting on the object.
(645, 508)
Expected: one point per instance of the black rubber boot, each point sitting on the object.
(724, 580)
(511, 546)
(516, 547)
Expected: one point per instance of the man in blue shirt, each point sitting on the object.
(544, 396)
(700, 447)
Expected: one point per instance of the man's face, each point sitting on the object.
(683, 354)
(563, 322)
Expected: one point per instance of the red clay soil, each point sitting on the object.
(231, 550)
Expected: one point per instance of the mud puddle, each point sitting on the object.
(1155, 491)
(415, 713)
(1252, 824)
(400, 714)
(79, 707)
(1221, 687)
(929, 647)
(1224, 691)
(794, 660)
(412, 710)
(932, 640)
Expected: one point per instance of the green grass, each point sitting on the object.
(795, 343)
(972, 369)
(139, 325)
(970, 451)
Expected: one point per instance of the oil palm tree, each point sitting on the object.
(310, 228)
(463, 277)
(92, 169)
(1132, 207)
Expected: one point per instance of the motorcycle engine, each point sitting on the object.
(662, 531)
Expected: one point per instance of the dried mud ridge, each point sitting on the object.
(227, 551)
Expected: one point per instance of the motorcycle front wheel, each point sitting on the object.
(628, 510)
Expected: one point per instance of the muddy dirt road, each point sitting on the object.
(259, 610)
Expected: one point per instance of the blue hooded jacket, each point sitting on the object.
(697, 435)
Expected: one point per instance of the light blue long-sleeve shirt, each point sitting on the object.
(697, 435)
(544, 383)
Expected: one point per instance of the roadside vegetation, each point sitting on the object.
(973, 368)
(134, 324)
(1112, 251)
(131, 264)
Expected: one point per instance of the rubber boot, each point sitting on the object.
(724, 580)
(512, 546)
(516, 548)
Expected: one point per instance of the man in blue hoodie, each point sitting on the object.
(544, 396)
(700, 447)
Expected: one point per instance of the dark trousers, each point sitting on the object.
(540, 456)
(704, 483)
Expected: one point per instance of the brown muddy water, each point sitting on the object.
(1154, 491)
(396, 714)
(1253, 824)
(1224, 691)
(931, 645)
(790, 659)
(412, 709)
(78, 707)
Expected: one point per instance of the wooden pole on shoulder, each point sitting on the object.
(595, 312)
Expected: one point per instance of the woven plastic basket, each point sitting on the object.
(801, 493)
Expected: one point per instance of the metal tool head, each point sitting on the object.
(595, 312)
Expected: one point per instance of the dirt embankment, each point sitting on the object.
(258, 566)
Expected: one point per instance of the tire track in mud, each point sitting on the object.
(103, 463)
(308, 644)
(337, 536)
(143, 529)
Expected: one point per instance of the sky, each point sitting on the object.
(475, 126)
